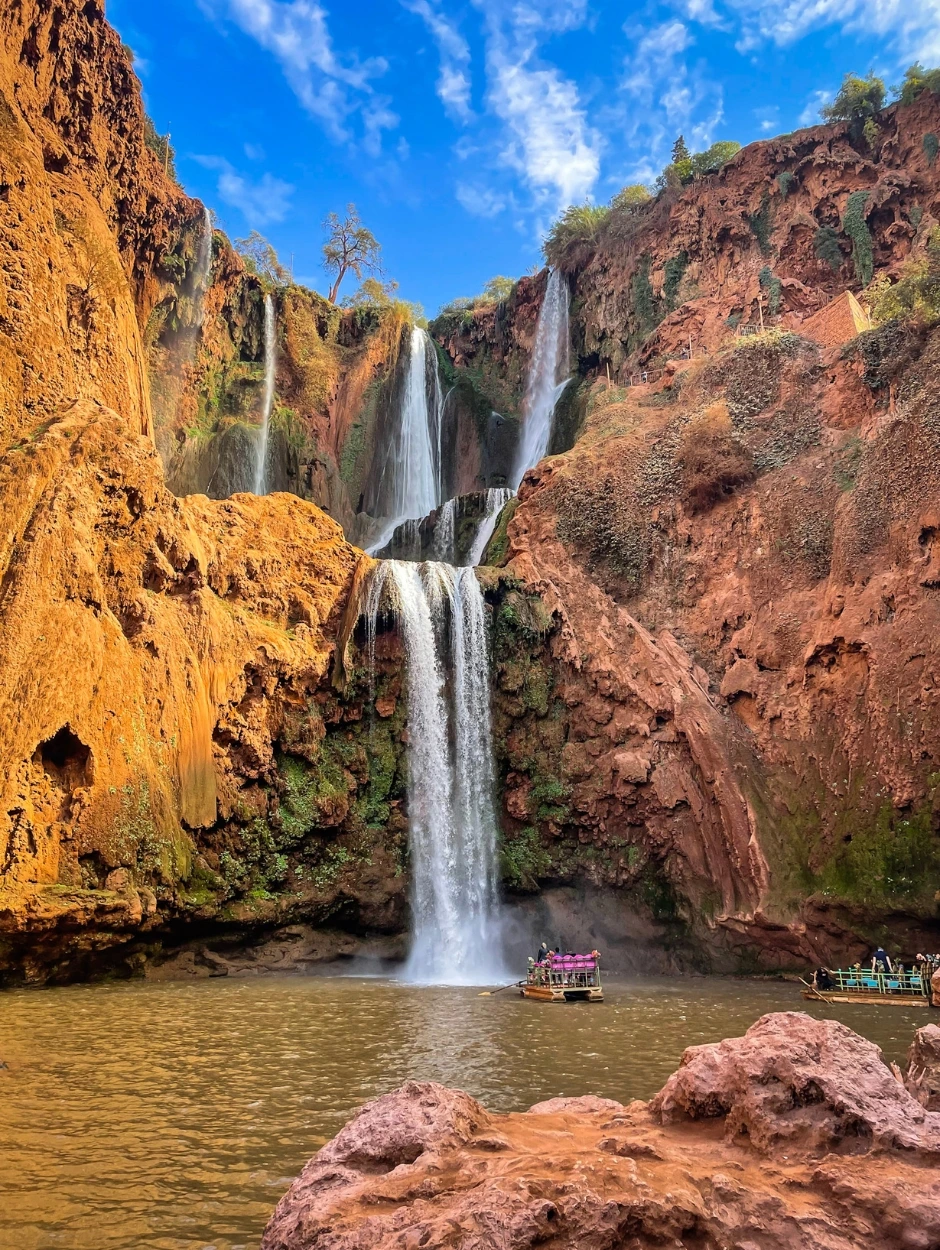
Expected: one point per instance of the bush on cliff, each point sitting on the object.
(916, 295)
(916, 81)
(858, 99)
(573, 232)
(712, 461)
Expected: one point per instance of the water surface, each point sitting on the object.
(172, 1116)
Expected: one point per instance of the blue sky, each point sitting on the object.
(459, 130)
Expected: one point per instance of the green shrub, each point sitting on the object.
(858, 99)
(931, 147)
(916, 294)
(916, 216)
(161, 147)
(774, 288)
(855, 226)
(631, 198)
(645, 313)
(916, 80)
(498, 289)
(713, 158)
(826, 246)
(674, 272)
(760, 223)
(785, 181)
(578, 224)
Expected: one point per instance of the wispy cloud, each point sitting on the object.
(331, 87)
(480, 201)
(261, 202)
(911, 27)
(454, 82)
(810, 114)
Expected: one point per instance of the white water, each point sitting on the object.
(270, 369)
(411, 476)
(451, 814)
(203, 267)
(445, 533)
(548, 375)
(496, 499)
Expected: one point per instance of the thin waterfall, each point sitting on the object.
(411, 476)
(496, 499)
(548, 375)
(445, 533)
(452, 819)
(260, 486)
(203, 267)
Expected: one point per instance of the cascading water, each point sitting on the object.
(203, 267)
(548, 375)
(452, 818)
(445, 533)
(270, 369)
(496, 499)
(410, 486)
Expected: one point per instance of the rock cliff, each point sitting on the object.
(795, 1135)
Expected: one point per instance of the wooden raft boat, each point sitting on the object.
(565, 979)
(857, 985)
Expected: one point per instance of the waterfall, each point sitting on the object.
(203, 267)
(543, 388)
(452, 819)
(270, 368)
(445, 533)
(410, 485)
(496, 499)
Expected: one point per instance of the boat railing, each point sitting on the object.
(573, 971)
(864, 981)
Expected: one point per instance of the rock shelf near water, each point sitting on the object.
(796, 1135)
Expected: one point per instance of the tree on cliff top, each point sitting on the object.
(349, 248)
(578, 224)
(858, 99)
(260, 258)
(917, 80)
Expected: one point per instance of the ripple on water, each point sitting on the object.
(171, 1116)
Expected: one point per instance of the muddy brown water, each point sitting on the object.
(173, 1116)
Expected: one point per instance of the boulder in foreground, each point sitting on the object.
(793, 1137)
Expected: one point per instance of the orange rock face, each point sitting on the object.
(795, 1135)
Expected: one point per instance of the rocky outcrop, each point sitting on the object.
(795, 1135)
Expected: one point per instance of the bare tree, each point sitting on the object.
(349, 247)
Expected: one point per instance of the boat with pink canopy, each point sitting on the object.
(564, 979)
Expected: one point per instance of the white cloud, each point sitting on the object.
(330, 86)
(454, 81)
(911, 27)
(261, 202)
(548, 140)
(810, 115)
(479, 201)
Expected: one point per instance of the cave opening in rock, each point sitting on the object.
(65, 757)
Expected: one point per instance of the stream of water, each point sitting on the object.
(548, 375)
(173, 1116)
(441, 616)
(260, 485)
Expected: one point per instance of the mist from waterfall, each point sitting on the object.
(548, 375)
(441, 616)
(260, 486)
(411, 476)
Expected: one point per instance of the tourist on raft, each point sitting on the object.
(880, 961)
(542, 953)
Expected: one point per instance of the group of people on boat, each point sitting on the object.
(922, 977)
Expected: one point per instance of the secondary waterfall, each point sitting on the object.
(548, 375)
(496, 499)
(441, 615)
(270, 369)
(203, 267)
(410, 484)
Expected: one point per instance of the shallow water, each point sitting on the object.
(172, 1116)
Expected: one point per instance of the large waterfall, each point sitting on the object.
(442, 618)
(203, 267)
(548, 375)
(410, 485)
(260, 486)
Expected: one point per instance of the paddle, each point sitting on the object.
(490, 993)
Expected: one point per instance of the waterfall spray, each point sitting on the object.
(203, 267)
(451, 814)
(544, 387)
(270, 368)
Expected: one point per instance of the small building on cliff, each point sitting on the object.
(842, 319)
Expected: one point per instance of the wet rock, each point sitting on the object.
(923, 1071)
(417, 1167)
